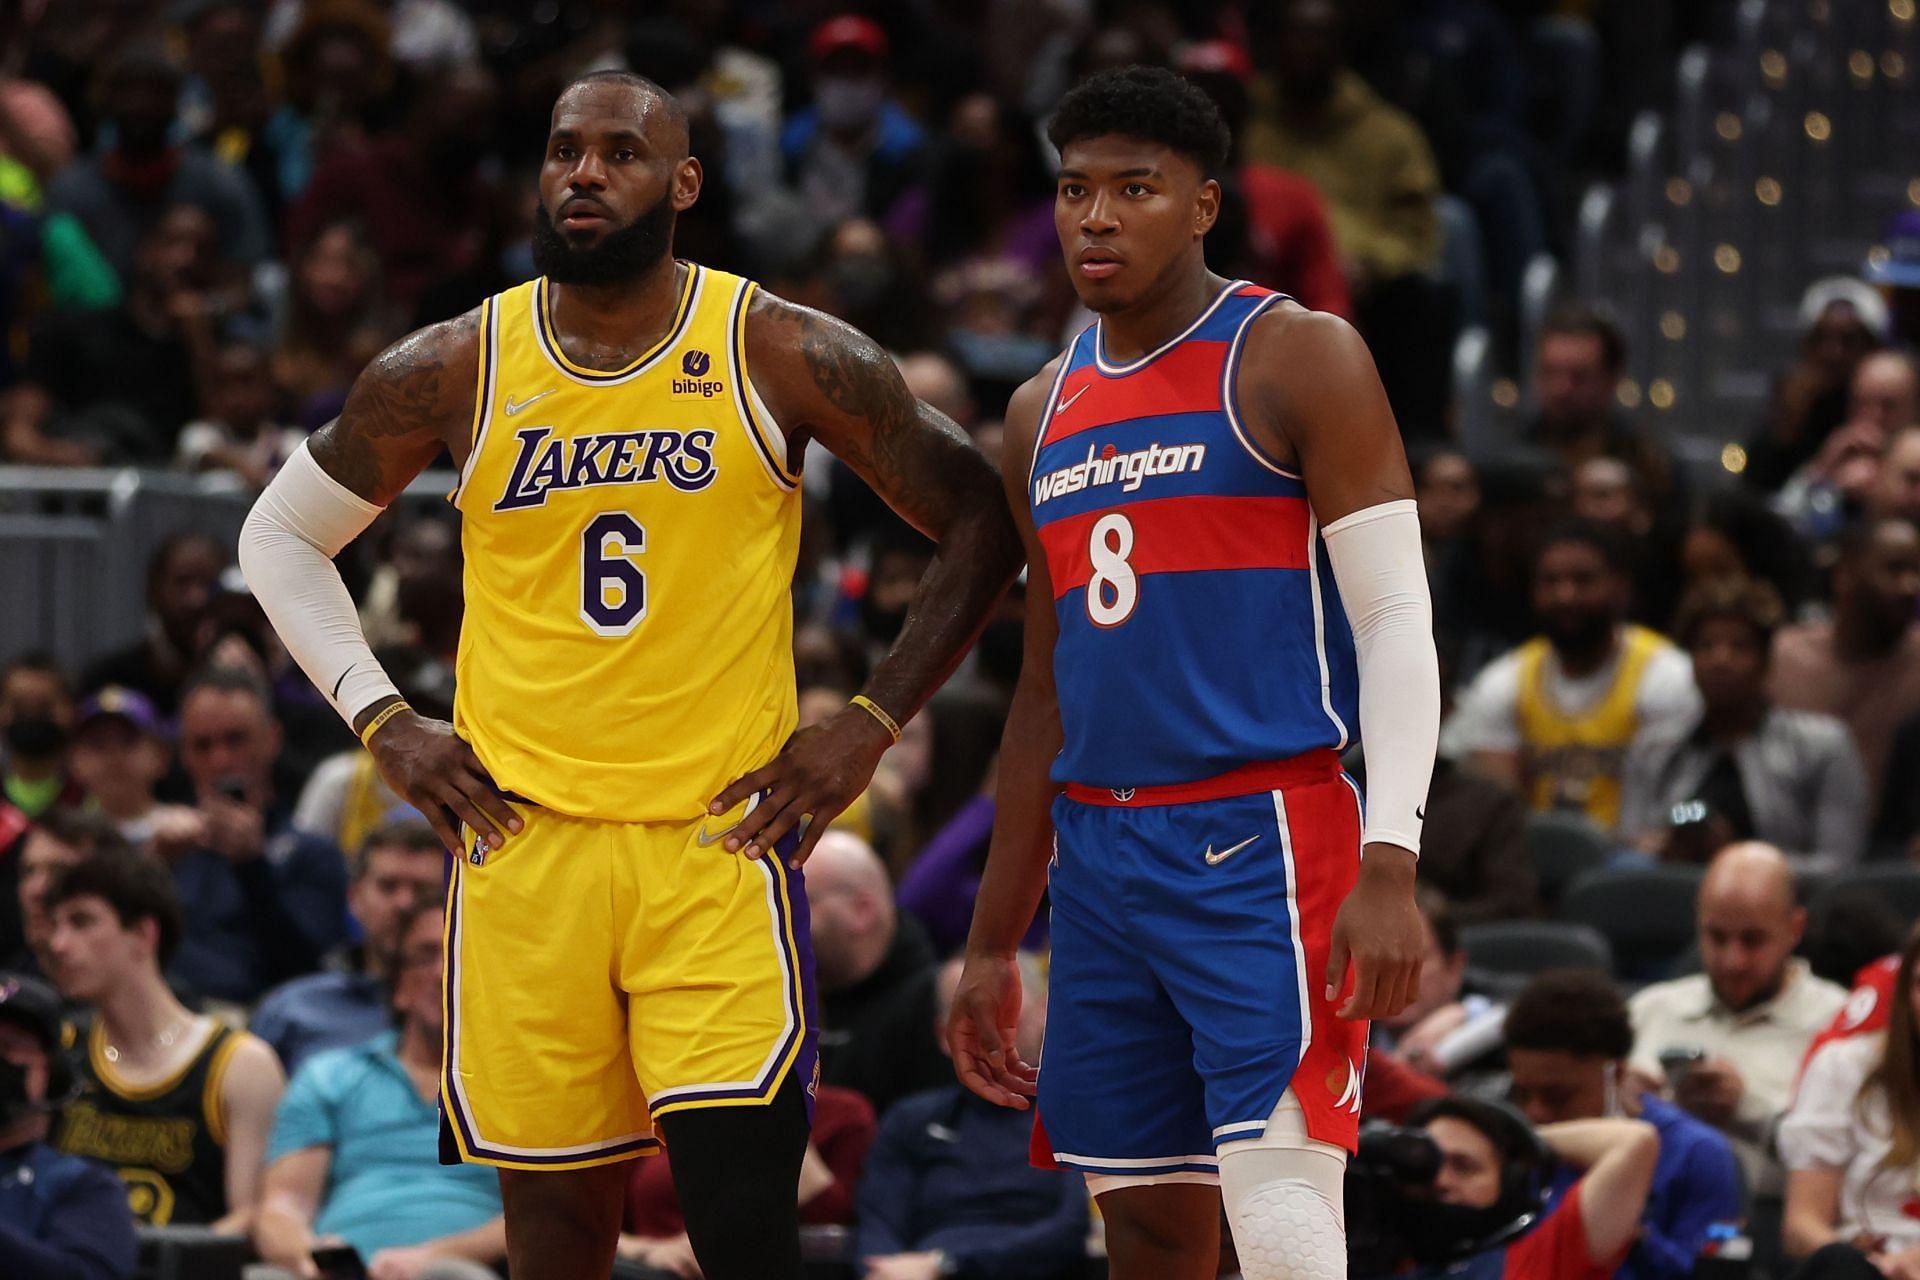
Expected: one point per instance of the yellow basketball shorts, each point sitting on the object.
(600, 974)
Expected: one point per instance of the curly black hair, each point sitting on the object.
(1150, 103)
(1575, 1011)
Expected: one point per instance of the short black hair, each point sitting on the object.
(228, 680)
(1512, 1137)
(1608, 541)
(1150, 103)
(1577, 320)
(136, 885)
(633, 80)
(1577, 1011)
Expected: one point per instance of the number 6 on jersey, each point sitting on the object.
(1108, 546)
(613, 591)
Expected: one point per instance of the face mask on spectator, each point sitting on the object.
(848, 103)
(36, 736)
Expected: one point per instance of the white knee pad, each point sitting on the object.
(1285, 1202)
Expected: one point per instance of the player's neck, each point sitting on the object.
(634, 313)
(1159, 317)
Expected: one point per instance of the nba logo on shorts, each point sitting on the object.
(478, 855)
(696, 363)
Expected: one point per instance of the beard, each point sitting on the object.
(617, 257)
(1578, 633)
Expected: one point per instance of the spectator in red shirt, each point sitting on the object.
(843, 1128)
(1588, 1233)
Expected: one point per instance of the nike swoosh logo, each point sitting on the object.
(514, 406)
(1420, 812)
(1215, 859)
(1068, 402)
(702, 839)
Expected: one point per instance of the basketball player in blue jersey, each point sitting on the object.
(627, 957)
(1225, 591)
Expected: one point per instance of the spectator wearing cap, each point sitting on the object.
(853, 150)
(1742, 768)
(399, 869)
(1748, 1019)
(61, 1217)
(181, 575)
(1568, 1038)
(118, 756)
(1556, 715)
(1842, 321)
(121, 194)
(263, 901)
(1863, 664)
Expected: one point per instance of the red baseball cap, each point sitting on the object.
(847, 31)
(1219, 57)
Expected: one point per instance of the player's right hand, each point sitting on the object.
(432, 769)
(980, 1032)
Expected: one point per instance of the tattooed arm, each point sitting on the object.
(415, 398)
(825, 380)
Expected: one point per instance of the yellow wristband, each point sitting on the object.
(387, 713)
(879, 713)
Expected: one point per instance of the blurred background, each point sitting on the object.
(1642, 278)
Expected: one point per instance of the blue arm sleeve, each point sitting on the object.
(883, 1208)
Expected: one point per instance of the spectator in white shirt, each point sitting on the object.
(1851, 1144)
(1750, 1016)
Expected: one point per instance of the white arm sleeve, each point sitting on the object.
(1382, 576)
(287, 546)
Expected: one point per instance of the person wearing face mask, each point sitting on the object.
(1568, 1038)
(36, 717)
(854, 150)
(1556, 716)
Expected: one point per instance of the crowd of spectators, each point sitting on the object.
(214, 212)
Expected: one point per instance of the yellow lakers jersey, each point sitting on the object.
(630, 539)
(1575, 761)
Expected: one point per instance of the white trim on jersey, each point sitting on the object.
(1053, 401)
(490, 353)
(1134, 366)
(1320, 630)
(1229, 396)
(1293, 926)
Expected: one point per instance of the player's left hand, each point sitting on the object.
(822, 769)
(1379, 935)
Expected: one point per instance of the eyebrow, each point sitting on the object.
(1124, 173)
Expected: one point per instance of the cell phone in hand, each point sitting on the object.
(339, 1262)
(1678, 1060)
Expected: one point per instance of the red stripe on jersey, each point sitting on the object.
(1182, 535)
(1184, 380)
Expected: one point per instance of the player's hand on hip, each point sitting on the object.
(433, 770)
(822, 769)
(1378, 938)
(981, 1031)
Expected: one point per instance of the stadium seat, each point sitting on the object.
(1563, 847)
(1646, 914)
(191, 1253)
(1895, 883)
(1522, 948)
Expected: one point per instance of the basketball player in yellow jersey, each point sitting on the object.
(622, 784)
